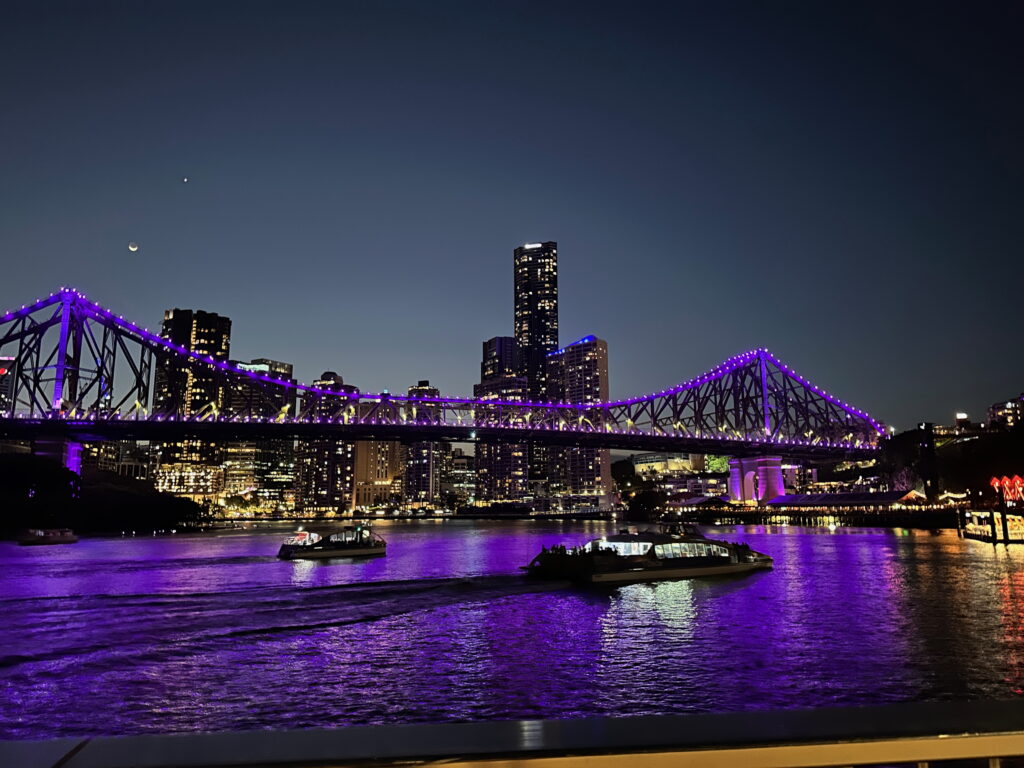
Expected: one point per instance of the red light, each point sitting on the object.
(3, 371)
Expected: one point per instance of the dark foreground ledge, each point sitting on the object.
(864, 735)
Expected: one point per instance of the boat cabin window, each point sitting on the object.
(623, 548)
(690, 549)
(357, 534)
(303, 538)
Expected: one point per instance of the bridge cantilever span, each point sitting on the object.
(81, 372)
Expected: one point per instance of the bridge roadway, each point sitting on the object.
(84, 431)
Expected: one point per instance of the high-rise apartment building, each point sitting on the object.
(578, 373)
(501, 469)
(536, 330)
(325, 468)
(424, 461)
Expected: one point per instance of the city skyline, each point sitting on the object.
(702, 206)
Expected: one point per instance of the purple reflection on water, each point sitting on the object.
(214, 633)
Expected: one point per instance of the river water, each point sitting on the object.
(212, 632)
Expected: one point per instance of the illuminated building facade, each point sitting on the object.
(501, 469)
(190, 391)
(578, 373)
(424, 462)
(535, 268)
(125, 458)
(662, 464)
(264, 469)
(199, 482)
(187, 390)
(1007, 414)
(325, 483)
(378, 464)
(459, 482)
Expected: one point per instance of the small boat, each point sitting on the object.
(37, 536)
(676, 552)
(351, 541)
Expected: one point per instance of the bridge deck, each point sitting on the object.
(130, 429)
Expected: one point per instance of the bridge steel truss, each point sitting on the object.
(81, 372)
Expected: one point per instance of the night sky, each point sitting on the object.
(841, 183)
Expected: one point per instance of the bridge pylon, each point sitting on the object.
(757, 479)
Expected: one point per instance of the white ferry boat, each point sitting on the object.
(352, 541)
(679, 552)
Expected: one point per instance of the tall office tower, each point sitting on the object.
(424, 462)
(501, 469)
(191, 467)
(263, 468)
(536, 311)
(188, 390)
(325, 468)
(6, 386)
(536, 330)
(578, 373)
(378, 464)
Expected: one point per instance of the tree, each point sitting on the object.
(623, 473)
(41, 493)
(716, 463)
(647, 505)
(37, 492)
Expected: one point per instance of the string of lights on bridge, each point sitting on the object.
(719, 371)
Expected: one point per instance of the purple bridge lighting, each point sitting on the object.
(80, 373)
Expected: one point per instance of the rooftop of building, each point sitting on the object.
(584, 340)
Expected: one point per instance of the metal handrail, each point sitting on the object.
(921, 734)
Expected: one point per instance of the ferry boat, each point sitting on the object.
(352, 541)
(36, 536)
(676, 552)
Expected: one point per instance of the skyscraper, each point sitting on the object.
(191, 467)
(325, 468)
(578, 373)
(536, 330)
(189, 390)
(501, 469)
(424, 461)
(536, 311)
(266, 468)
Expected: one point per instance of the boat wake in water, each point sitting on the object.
(93, 629)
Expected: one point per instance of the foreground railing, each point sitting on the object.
(916, 734)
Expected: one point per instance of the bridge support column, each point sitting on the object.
(743, 481)
(736, 479)
(756, 479)
(67, 452)
(770, 482)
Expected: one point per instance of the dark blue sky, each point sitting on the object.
(841, 183)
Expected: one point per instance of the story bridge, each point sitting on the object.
(77, 372)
